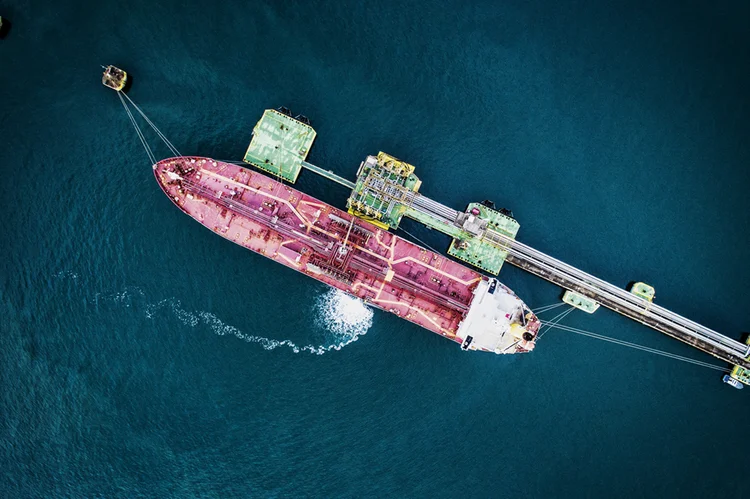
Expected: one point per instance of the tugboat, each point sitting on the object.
(733, 382)
(114, 78)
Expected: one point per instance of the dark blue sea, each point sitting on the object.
(143, 356)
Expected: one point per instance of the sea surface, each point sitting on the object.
(143, 356)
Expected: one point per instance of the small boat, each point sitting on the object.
(114, 78)
(732, 382)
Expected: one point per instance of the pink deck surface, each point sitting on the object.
(328, 244)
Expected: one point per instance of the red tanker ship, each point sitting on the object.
(348, 253)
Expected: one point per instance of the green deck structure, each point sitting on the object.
(580, 302)
(279, 145)
(482, 255)
(483, 252)
(384, 190)
(387, 190)
(643, 290)
(740, 373)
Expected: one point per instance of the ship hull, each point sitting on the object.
(343, 251)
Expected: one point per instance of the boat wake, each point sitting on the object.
(342, 318)
(345, 316)
(65, 274)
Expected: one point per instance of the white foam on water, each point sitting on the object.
(343, 315)
(346, 317)
(125, 297)
(65, 274)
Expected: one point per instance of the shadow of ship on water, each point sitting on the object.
(5, 28)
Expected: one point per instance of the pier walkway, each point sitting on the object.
(328, 174)
(624, 302)
(445, 219)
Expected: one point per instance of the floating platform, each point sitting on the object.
(580, 302)
(280, 144)
(643, 290)
(114, 78)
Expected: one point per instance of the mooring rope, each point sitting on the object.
(232, 162)
(158, 132)
(636, 346)
(548, 307)
(150, 154)
(553, 322)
